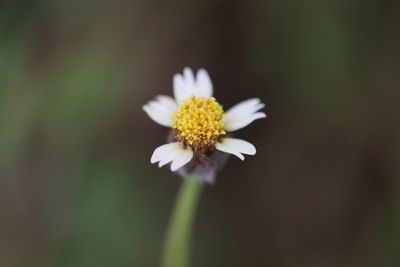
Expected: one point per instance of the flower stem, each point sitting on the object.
(177, 243)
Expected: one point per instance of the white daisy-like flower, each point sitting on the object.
(199, 123)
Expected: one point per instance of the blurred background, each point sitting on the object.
(76, 185)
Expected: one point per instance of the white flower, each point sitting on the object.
(199, 122)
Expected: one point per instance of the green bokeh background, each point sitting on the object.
(76, 185)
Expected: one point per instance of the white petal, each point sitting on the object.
(162, 107)
(241, 122)
(170, 156)
(246, 107)
(162, 152)
(184, 85)
(168, 159)
(236, 147)
(184, 157)
(168, 101)
(181, 90)
(240, 145)
(224, 148)
(245, 103)
(189, 78)
(237, 116)
(160, 113)
(204, 87)
(175, 153)
(243, 114)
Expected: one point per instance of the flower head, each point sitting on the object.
(199, 124)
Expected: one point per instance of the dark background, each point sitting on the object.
(76, 185)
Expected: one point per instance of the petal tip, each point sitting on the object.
(187, 69)
(174, 168)
(263, 115)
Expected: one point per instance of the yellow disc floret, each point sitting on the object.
(199, 122)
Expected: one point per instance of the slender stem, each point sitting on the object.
(177, 243)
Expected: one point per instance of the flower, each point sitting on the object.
(198, 122)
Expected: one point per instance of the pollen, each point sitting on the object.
(199, 122)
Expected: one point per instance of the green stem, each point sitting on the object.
(177, 244)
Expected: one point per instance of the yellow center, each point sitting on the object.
(199, 122)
